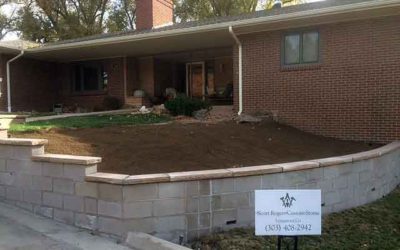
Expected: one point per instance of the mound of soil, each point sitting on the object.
(186, 147)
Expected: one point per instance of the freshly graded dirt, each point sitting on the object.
(185, 147)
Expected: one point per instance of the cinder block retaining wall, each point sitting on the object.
(69, 189)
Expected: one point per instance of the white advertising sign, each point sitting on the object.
(288, 212)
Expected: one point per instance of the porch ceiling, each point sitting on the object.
(169, 44)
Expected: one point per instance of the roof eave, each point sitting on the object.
(240, 25)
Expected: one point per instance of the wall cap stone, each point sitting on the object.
(200, 175)
(146, 178)
(298, 165)
(7, 116)
(255, 170)
(107, 178)
(23, 142)
(68, 159)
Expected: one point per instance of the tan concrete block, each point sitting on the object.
(63, 186)
(7, 179)
(2, 165)
(221, 218)
(110, 192)
(140, 209)
(249, 183)
(14, 194)
(23, 180)
(223, 186)
(52, 169)
(192, 205)
(52, 200)
(192, 188)
(205, 204)
(111, 209)
(90, 205)
(171, 223)
(26, 152)
(171, 190)
(140, 192)
(42, 183)
(169, 207)
(205, 187)
(111, 226)
(78, 172)
(24, 167)
(74, 203)
(86, 189)
(33, 196)
(227, 201)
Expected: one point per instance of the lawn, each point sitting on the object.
(89, 122)
(374, 226)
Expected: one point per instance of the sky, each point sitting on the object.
(13, 36)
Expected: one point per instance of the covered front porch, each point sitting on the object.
(204, 74)
(146, 80)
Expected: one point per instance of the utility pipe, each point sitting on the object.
(9, 80)
(239, 44)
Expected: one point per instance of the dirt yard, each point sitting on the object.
(184, 147)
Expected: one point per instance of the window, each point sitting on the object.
(301, 48)
(89, 77)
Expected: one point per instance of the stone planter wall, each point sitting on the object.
(69, 189)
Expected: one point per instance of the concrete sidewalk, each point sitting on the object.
(22, 230)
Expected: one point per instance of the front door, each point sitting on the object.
(195, 79)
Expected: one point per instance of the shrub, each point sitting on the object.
(111, 103)
(183, 105)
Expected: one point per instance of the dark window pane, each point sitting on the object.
(78, 79)
(292, 49)
(91, 78)
(310, 47)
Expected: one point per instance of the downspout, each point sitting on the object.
(239, 44)
(9, 80)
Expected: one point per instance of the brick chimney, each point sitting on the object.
(153, 13)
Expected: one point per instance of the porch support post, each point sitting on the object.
(239, 44)
(9, 80)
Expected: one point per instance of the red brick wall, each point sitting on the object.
(153, 13)
(353, 94)
(37, 85)
(33, 85)
(90, 100)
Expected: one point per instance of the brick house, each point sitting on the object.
(330, 68)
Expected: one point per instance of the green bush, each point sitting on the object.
(183, 105)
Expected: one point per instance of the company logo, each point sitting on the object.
(287, 201)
